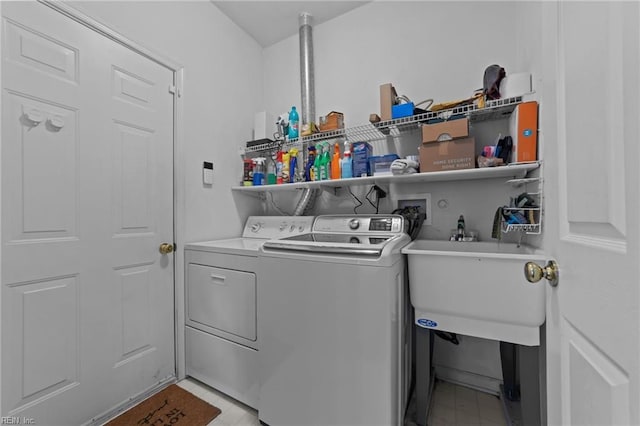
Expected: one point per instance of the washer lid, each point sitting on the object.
(348, 244)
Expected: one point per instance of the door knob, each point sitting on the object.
(166, 248)
(534, 272)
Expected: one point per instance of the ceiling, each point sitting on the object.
(269, 22)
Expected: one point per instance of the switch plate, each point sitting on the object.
(207, 173)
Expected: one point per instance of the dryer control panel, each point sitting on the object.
(362, 224)
(276, 226)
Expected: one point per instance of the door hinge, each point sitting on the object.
(175, 90)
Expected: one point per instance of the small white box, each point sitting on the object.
(517, 84)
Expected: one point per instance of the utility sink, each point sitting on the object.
(477, 289)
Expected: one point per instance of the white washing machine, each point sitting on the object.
(221, 281)
(334, 323)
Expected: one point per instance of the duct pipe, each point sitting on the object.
(307, 88)
(307, 80)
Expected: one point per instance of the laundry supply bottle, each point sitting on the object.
(247, 176)
(325, 162)
(347, 166)
(293, 164)
(335, 162)
(258, 171)
(279, 167)
(308, 168)
(285, 167)
(294, 122)
(316, 162)
(271, 170)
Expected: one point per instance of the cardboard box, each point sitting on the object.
(332, 121)
(445, 130)
(523, 126)
(455, 154)
(388, 97)
(360, 152)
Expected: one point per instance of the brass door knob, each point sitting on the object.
(534, 272)
(166, 248)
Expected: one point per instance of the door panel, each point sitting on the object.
(589, 125)
(87, 187)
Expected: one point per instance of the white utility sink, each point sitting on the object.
(477, 289)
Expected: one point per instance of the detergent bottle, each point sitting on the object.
(335, 162)
(294, 121)
(308, 169)
(279, 167)
(316, 162)
(285, 167)
(293, 164)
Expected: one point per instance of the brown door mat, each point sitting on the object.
(171, 406)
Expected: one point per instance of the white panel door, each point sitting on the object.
(87, 198)
(590, 127)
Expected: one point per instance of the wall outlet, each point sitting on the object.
(422, 200)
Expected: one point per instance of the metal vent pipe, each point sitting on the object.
(307, 80)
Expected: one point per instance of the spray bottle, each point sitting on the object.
(258, 171)
(335, 162)
(325, 159)
(347, 166)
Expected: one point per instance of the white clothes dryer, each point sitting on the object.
(221, 282)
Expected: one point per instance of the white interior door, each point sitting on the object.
(87, 199)
(590, 127)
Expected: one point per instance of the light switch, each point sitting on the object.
(207, 173)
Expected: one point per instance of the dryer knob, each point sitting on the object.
(256, 227)
(354, 224)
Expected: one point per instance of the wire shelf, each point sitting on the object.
(494, 110)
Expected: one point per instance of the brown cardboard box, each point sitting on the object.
(332, 121)
(456, 154)
(446, 130)
(388, 97)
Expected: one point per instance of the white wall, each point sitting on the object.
(426, 49)
(222, 89)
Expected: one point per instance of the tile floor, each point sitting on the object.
(451, 405)
(234, 413)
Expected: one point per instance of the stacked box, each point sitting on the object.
(360, 152)
(446, 146)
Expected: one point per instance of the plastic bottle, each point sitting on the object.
(347, 166)
(279, 167)
(460, 231)
(316, 163)
(335, 162)
(285, 167)
(247, 176)
(293, 164)
(294, 123)
(308, 168)
(271, 171)
(258, 171)
(325, 161)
